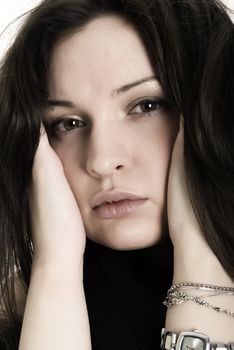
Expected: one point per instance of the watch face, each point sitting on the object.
(192, 343)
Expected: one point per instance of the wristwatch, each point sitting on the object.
(193, 340)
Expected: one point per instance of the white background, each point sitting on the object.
(11, 9)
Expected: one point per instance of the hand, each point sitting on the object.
(181, 217)
(194, 261)
(57, 227)
(193, 258)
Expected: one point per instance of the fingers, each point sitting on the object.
(178, 150)
(42, 130)
(45, 155)
(43, 136)
(180, 136)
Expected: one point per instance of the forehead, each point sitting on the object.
(106, 54)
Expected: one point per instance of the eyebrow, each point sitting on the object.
(122, 89)
(60, 103)
(129, 86)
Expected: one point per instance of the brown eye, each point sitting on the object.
(149, 105)
(66, 124)
(69, 124)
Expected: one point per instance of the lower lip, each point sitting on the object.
(118, 209)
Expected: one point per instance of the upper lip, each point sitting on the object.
(112, 196)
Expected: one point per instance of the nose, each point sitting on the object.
(107, 152)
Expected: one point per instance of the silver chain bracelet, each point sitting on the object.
(201, 286)
(175, 296)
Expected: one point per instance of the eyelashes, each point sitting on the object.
(67, 123)
(148, 106)
(64, 124)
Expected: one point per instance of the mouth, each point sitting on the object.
(110, 205)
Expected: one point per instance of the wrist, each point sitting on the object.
(192, 339)
(199, 265)
(58, 269)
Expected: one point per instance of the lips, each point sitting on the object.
(114, 204)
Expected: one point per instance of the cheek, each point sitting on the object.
(156, 160)
(67, 152)
(157, 176)
(156, 150)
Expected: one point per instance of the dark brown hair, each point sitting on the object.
(191, 46)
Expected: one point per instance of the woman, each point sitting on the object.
(111, 82)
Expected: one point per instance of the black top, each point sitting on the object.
(124, 293)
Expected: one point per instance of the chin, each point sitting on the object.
(127, 240)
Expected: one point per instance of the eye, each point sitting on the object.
(149, 105)
(65, 124)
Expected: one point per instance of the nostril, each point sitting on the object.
(119, 167)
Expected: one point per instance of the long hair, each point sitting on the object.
(191, 46)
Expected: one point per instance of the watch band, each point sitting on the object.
(192, 340)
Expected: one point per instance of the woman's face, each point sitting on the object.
(111, 126)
